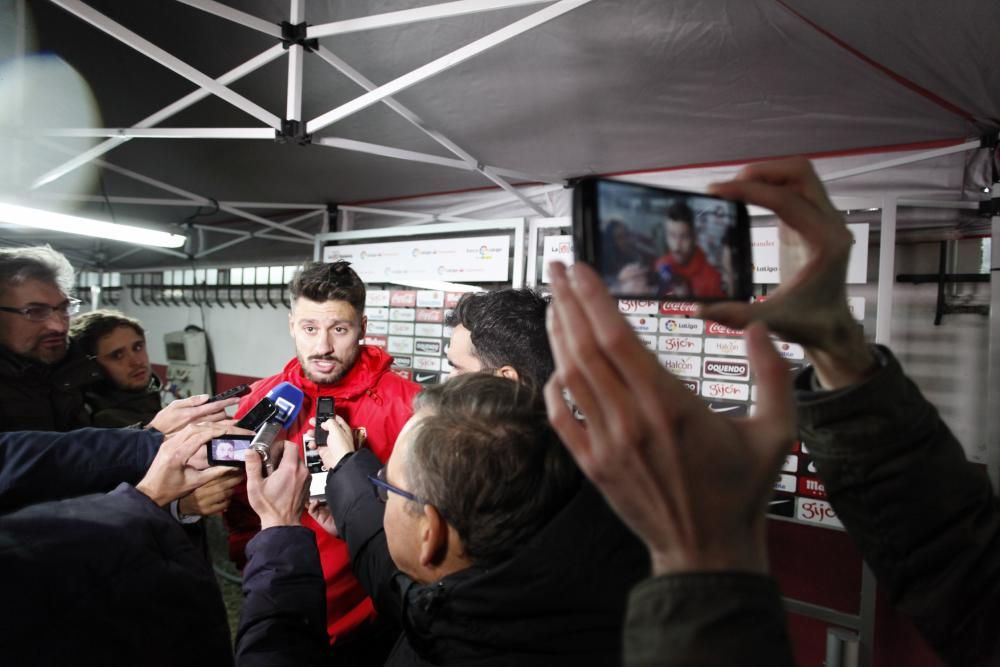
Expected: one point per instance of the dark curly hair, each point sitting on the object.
(318, 281)
(507, 328)
(90, 327)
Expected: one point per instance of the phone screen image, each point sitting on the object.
(230, 450)
(655, 243)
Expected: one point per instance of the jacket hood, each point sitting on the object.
(372, 363)
(560, 600)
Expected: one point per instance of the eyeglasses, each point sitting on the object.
(41, 311)
(383, 488)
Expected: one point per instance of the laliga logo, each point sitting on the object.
(364, 254)
(484, 252)
(416, 252)
(562, 248)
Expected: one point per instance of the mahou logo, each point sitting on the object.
(716, 329)
(681, 364)
(732, 369)
(682, 325)
(732, 391)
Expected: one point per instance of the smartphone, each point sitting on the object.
(229, 450)
(659, 244)
(239, 390)
(324, 411)
(259, 414)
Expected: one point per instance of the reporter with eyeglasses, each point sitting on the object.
(42, 374)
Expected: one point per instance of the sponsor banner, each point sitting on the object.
(649, 340)
(733, 391)
(789, 350)
(377, 341)
(451, 299)
(856, 304)
(785, 483)
(403, 373)
(430, 299)
(403, 344)
(796, 447)
(765, 247)
(428, 346)
(445, 366)
(716, 329)
(402, 298)
(376, 327)
(447, 331)
(430, 315)
(470, 259)
(791, 464)
(730, 347)
(684, 326)
(426, 363)
(812, 487)
(402, 362)
(377, 297)
(693, 385)
(679, 364)
(753, 393)
(807, 467)
(642, 324)
(782, 504)
(401, 328)
(402, 314)
(556, 249)
(818, 512)
(429, 330)
(805, 450)
(685, 344)
(633, 307)
(726, 368)
(729, 409)
(678, 308)
(377, 313)
(423, 377)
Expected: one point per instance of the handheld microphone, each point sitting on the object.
(287, 401)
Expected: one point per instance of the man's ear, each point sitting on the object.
(364, 328)
(433, 538)
(507, 372)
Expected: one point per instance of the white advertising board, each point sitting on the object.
(556, 249)
(766, 251)
(472, 259)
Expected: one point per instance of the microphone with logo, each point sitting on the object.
(286, 399)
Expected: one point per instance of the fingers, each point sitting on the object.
(203, 411)
(775, 420)
(570, 430)
(730, 313)
(254, 469)
(202, 477)
(289, 457)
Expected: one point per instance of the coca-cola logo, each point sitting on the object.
(716, 329)
(678, 308)
(403, 298)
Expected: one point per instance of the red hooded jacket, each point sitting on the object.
(702, 278)
(370, 395)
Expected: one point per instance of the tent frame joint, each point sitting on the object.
(293, 131)
(294, 34)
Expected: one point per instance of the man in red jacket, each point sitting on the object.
(684, 270)
(327, 323)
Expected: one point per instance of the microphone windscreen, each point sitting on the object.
(287, 398)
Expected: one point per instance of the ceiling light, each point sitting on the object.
(73, 224)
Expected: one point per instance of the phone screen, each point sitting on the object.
(229, 450)
(655, 243)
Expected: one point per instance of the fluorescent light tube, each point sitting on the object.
(72, 224)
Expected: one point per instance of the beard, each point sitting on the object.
(342, 366)
(46, 352)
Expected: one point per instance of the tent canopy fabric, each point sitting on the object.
(607, 87)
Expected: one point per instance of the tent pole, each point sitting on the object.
(897, 162)
(169, 61)
(236, 16)
(232, 75)
(439, 65)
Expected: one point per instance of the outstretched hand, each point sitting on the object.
(178, 467)
(191, 410)
(279, 498)
(693, 485)
(810, 306)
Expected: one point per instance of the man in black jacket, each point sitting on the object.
(129, 395)
(486, 547)
(42, 375)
